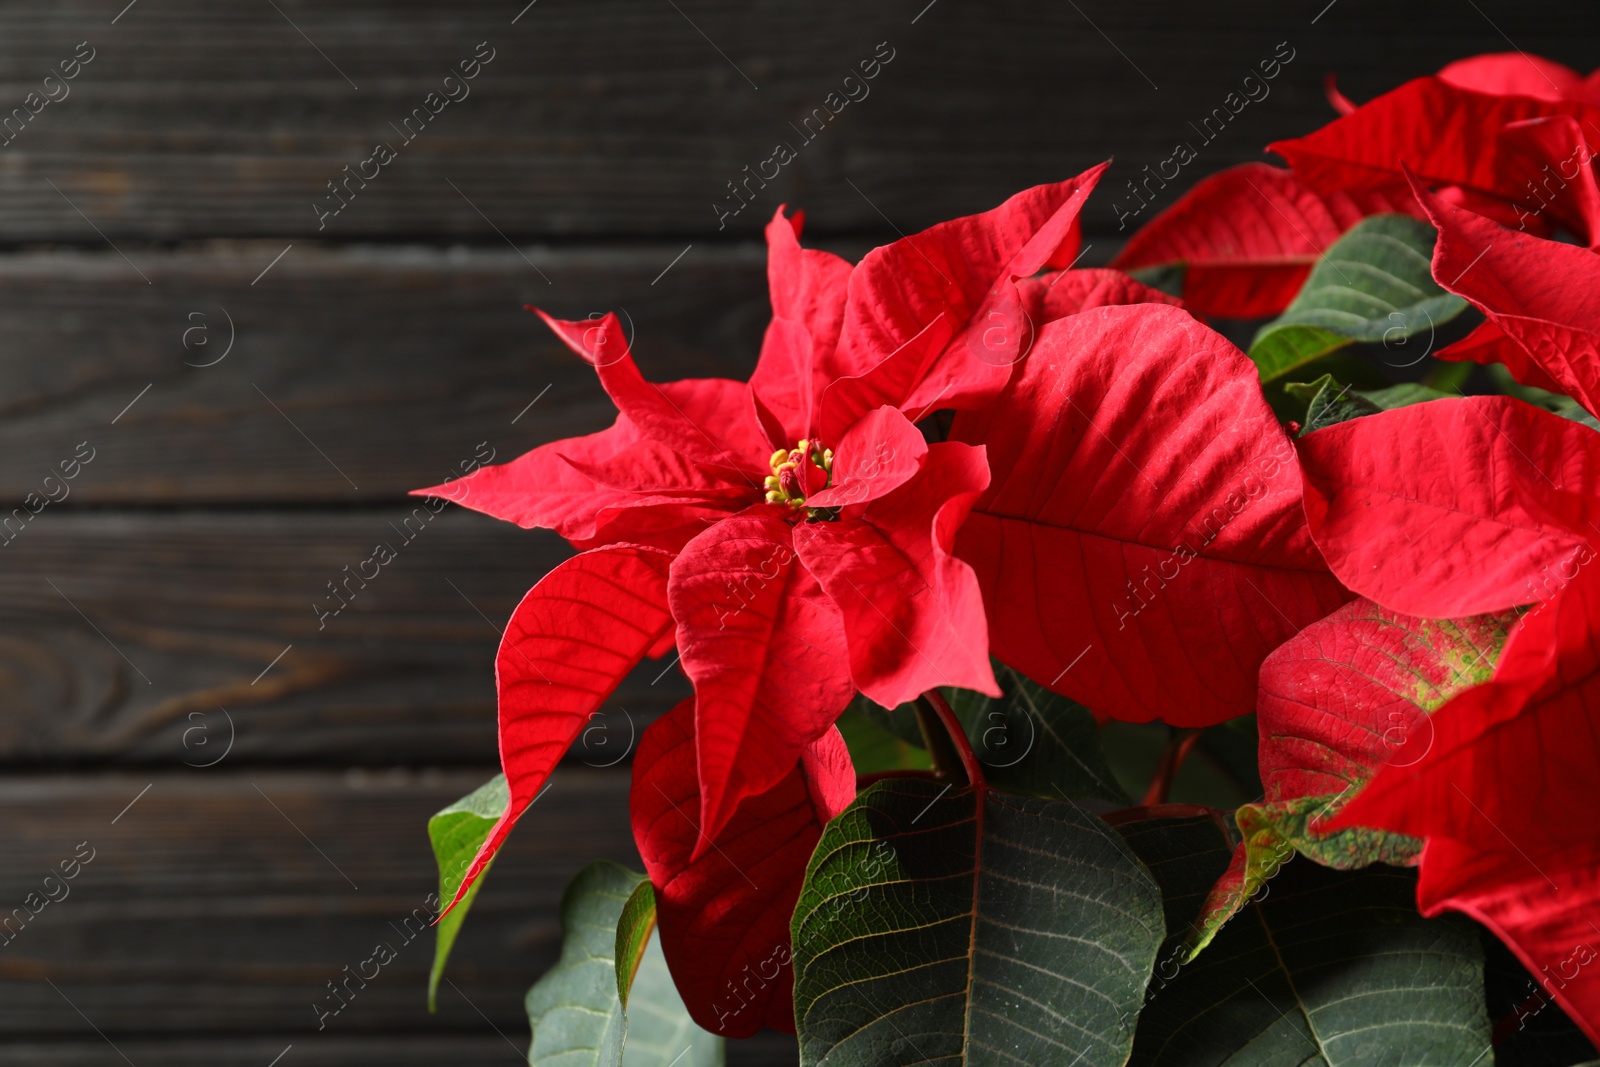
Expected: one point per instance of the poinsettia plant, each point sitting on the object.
(977, 511)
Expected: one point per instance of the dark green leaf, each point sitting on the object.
(1375, 284)
(1328, 402)
(457, 833)
(1029, 740)
(970, 927)
(1036, 742)
(575, 1010)
(1326, 968)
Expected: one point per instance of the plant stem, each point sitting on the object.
(1173, 754)
(946, 738)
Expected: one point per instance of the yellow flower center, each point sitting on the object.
(786, 485)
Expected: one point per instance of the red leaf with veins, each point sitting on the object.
(1543, 296)
(1142, 547)
(568, 645)
(808, 293)
(879, 453)
(1066, 292)
(1249, 235)
(913, 613)
(1502, 791)
(965, 269)
(606, 487)
(765, 648)
(1453, 507)
(711, 421)
(1338, 700)
(1487, 344)
(1546, 915)
(723, 903)
(1447, 134)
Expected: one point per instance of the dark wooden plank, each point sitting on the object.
(155, 621)
(354, 375)
(221, 903)
(411, 1050)
(415, 1050)
(629, 117)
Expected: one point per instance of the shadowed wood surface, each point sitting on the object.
(165, 602)
(157, 638)
(632, 116)
(355, 374)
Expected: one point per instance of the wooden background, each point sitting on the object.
(172, 191)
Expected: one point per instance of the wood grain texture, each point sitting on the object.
(122, 635)
(355, 374)
(221, 902)
(608, 117)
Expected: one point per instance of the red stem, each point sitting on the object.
(1172, 756)
(958, 736)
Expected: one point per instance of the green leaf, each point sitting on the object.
(634, 927)
(457, 833)
(1327, 969)
(1187, 849)
(1029, 740)
(969, 926)
(1329, 403)
(874, 745)
(576, 1009)
(1375, 285)
(1035, 742)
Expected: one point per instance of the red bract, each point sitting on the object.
(1338, 700)
(723, 904)
(1454, 507)
(1142, 547)
(1519, 74)
(1541, 299)
(810, 527)
(573, 638)
(1460, 507)
(1506, 797)
(1453, 137)
(1247, 237)
(1464, 506)
(965, 270)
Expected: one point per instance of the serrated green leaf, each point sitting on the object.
(1327, 969)
(576, 1011)
(457, 832)
(970, 927)
(1375, 285)
(634, 927)
(1033, 741)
